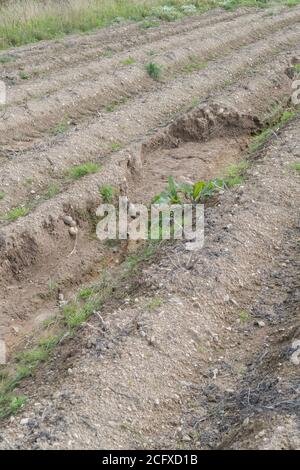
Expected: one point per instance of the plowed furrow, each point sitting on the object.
(37, 248)
(38, 116)
(75, 73)
(132, 120)
(47, 56)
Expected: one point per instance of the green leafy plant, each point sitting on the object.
(197, 192)
(2, 195)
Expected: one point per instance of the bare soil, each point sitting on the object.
(209, 364)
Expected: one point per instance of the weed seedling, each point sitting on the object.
(52, 191)
(107, 193)
(79, 171)
(115, 146)
(61, 127)
(17, 212)
(153, 70)
(7, 58)
(296, 166)
(24, 75)
(128, 61)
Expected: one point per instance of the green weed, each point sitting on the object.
(153, 70)
(79, 171)
(128, 61)
(16, 213)
(107, 193)
(24, 75)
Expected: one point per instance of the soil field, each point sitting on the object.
(188, 349)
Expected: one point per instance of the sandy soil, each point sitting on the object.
(208, 365)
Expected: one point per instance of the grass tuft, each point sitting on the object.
(79, 171)
(11, 404)
(16, 213)
(107, 193)
(52, 191)
(128, 61)
(61, 127)
(24, 75)
(260, 139)
(7, 58)
(153, 70)
(296, 166)
(115, 146)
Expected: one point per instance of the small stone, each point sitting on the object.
(73, 231)
(246, 421)
(24, 421)
(186, 438)
(260, 323)
(68, 220)
(113, 424)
